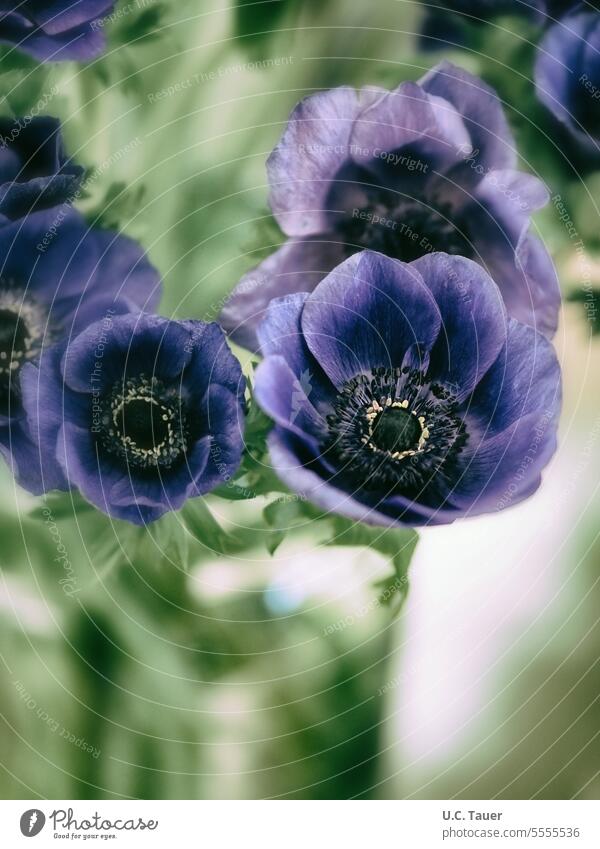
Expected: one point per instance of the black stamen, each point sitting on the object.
(393, 429)
(22, 326)
(13, 338)
(144, 423)
(407, 229)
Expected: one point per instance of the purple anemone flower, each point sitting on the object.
(427, 167)
(56, 276)
(567, 76)
(485, 9)
(541, 11)
(402, 394)
(139, 413)
(557, 8)
(34, 171)
(55, 30)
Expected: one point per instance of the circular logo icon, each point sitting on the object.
(32, 822)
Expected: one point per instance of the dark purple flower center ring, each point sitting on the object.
(58, 277)
(22, 324)
(143, 420)
(393, 428)
(407, 229)
(145, 423)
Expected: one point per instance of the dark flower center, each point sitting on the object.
(14, 339)
(394, 430)
(21, 334)
(587, 117)
(407, 229)
(143, 422)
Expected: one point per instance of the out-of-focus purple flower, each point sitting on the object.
(446, 22)
(34, 171)
(55, 30)
(449, 22)
(57, 276)
(428, 167)
(550, 10)
(567, 76)
(139, 413)
(485, 9)
(478, 10)
(403, 394)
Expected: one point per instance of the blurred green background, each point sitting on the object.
(250, 676)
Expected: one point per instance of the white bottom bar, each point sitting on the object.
(302, 824)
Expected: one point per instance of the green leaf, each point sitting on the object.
(589, 301)
(397, 544)
(283, 515)
(25, 85)
(61, 506)
(254, 476)
(257, 426)
(267, 236)
(118, 206)
(204, 528)
(130, 28)
(167, 539)
(256, 19)
(234, 492)
(143, 27)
